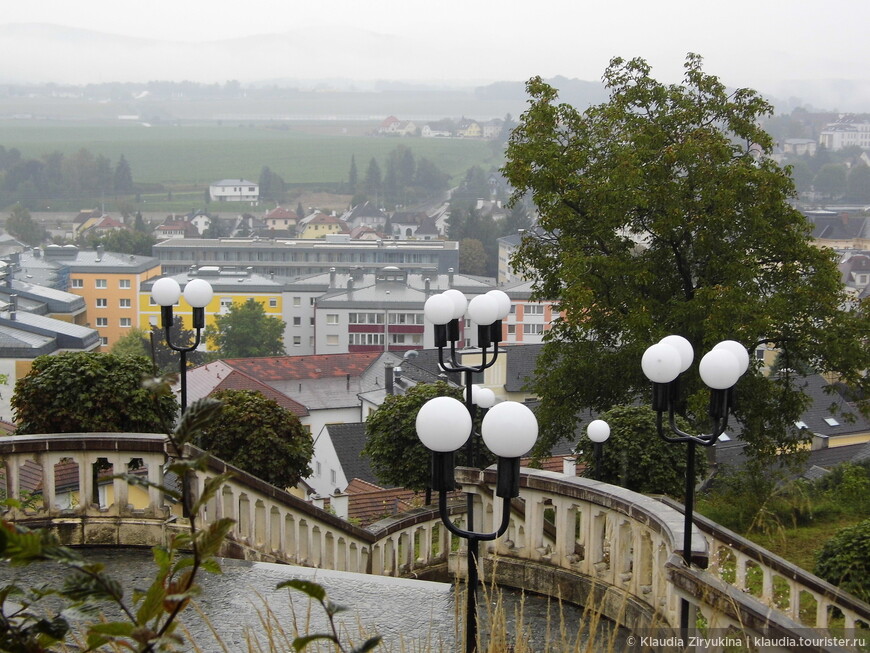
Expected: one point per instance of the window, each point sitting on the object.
(101, 283)
(512, 329)
(333, 477)
(533, 329)
(332, 318)
(124, 284)
(332, 340)
(297, 341)
(297, 321)
(273, 303)
(226, 304)
(297, 301)
(125, 303)
(104, 341)
(126, 322)
(102, 322)
(102, 302)
(534, 309)
(77, 283)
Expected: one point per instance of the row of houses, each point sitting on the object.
(445, 128)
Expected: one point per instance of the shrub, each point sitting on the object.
(844, 560)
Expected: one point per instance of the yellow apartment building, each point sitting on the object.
(231, 285)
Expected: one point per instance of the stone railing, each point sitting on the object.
(777, 583)
(586, 542)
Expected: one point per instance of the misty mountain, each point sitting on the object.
(341, 59)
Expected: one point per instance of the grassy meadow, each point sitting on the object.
(188, 157)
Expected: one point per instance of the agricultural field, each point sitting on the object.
(188, 157)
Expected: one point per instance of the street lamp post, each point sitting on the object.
(198, 293)
(487, 311)
(509, 430)
(598, 431)
(720, 369)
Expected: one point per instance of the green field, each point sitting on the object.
(189, 157)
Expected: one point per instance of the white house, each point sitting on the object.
(234, 190)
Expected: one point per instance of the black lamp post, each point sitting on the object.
(720, 369)
(509, 430)
(598, 431)
(487, 311)
(198, 293)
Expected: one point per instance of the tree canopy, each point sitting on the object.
(662, 212)
(245, 331)
(260, 437)
(90, 392)
(397, 456)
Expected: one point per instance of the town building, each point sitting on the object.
(230, 285)
(108, 282)
(234, 190)
(290, 258)
(848, 131)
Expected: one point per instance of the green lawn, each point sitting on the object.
(189, 157)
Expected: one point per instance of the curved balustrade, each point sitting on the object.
(587, 542)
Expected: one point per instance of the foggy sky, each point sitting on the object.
(763, 44)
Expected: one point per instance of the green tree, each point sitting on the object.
(21, 225)
(398, 457)
(655, 217)
(831, 180)
(352, 176)
(90, 392)
(635, 457)
(260, 437)
(123, 179)
(125, 241)
(245, 331)
(373, 181)
(844, 560)
(858, 184)
(472, 257)
(135, 342)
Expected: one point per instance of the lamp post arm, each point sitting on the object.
(471, 535)
(705, 440)
(196, 342)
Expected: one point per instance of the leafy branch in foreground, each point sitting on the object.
(149, 621)
(318, 593)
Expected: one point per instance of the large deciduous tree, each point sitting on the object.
(245, 331)
(90, 392)
(662, 212)
(260, 437)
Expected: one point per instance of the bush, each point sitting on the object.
(844, 560)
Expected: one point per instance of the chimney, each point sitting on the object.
(569, 466)
(389, 378)
(340, 504)
(348, 382)
(427, 282)
(449, 277)
(350, 286)
(13, 306)
(332, 277)
(99, 253)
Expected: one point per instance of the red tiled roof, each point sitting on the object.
(286, 368)
(279, 212)
(369, 507)
(237, 380)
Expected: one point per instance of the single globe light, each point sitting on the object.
(166, 291)
(719, 369)
(661, 363)
(460, 303)
(684, 347)
(438, 309)
(483, 309)
(504, 303)
(739, 352)
(443, 424)
(198, 293)
(509, 429)
(598, 430)
(485, 398)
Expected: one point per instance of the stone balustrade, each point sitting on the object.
(585, 542)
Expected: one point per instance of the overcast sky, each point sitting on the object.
(745, 42)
